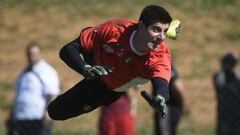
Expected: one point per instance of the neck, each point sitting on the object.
(137, 44)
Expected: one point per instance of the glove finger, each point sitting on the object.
(88, 72)
(108, 69)
(163, 110)
(164, 115)
(96, 71)
(102, 70)
(162, 103)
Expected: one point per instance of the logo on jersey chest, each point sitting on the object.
(118, 50)
(107, 48)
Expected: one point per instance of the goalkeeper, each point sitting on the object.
(117, 55)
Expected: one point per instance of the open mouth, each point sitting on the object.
(156, 42)
(153, 45)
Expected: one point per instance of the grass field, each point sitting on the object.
(209, 29)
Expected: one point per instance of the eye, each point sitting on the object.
(156, 29)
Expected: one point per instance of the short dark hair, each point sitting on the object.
(153, 13)
(229, 59)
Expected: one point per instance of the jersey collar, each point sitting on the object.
(132, 47)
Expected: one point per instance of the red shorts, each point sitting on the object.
(122, 124)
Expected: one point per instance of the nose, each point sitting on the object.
(161, 35)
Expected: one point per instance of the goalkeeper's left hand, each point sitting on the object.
(173, 29)
(157, 102)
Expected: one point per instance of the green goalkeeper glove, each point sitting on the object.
(91, 72)
(173, 29)
(157, 102)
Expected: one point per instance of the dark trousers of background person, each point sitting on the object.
(47, 128)
(168, 125)
(28, 127)
(228, 110)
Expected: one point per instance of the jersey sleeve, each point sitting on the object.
(160, 63)
(51, 82)
(96, 36)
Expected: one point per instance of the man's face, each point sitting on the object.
(229, 62)
(33, 55)
(154, 35)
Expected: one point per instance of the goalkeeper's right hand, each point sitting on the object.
(91, 72)
(157, 102)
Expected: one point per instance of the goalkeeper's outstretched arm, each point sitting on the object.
(160, 95)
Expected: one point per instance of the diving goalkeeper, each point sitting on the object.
(118, 54)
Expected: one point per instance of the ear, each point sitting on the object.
(141, 25)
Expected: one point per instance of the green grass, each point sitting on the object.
(199, 4)
(69, 132)
(5, 86)
(4, 104)
(233, 35)
(147, 130)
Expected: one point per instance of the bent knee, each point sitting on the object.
(55, 112)
(58, 111)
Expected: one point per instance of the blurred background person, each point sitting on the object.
(227, 86)
(36, 86)
(119, 117)
(176, 107)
